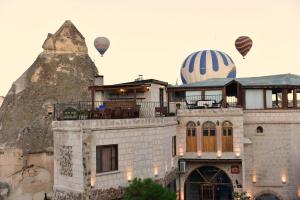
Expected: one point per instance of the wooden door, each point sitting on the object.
(227, 138)
(209, 137)
(191, 140)
(207, 191)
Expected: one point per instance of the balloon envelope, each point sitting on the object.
(207, 64)
(101, 44)
(243, 44)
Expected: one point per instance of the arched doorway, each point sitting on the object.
(208, 183)
(267, 197)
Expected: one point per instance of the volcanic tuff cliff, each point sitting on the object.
(61, 73)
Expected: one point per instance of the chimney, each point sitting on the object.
(99, 80)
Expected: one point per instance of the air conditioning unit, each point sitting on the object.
(181, 166)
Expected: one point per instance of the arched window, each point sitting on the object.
(191, 137)
(227, 137)
(209, 139)
(259, 129)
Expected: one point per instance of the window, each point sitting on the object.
(191, 138)
(173, 145)
(209, 137)
(227, 137)
(106, 158)
(254, 99)
(274, 98)
(259, 129)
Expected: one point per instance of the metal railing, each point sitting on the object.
(202, 102)
(109, 110)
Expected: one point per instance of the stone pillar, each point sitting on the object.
(87, 162)
(199, 139)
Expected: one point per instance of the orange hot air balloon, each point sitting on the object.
(243, 44)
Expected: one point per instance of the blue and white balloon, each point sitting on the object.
(207, 64)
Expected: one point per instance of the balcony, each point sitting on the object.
(117, 109)
(203, 102)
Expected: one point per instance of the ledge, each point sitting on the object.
(112, 124)
(210, 112)
(108, 173)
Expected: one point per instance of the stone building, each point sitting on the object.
(204, 140)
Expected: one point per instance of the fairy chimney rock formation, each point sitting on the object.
(66, 40)
(61, 73)
(1, 100)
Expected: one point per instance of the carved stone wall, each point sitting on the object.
(107, 194)
(67, 195)
(65, 160)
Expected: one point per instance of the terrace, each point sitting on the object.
(152, 98)
(138, 99)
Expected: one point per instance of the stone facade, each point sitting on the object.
(266, 160)
(144, 146)
(273, 154)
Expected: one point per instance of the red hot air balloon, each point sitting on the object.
(101, 44)
(243, 44)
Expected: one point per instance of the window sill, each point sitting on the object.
(108, 173)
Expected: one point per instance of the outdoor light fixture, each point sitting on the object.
(155, 171)
(254, 178)
(181, 152)
(238, 152)
(147, 88)
(122, 91)
(199, 153)
(93, 181)
(283, 179)
(129, 176)
(218, 123)
(219, 154)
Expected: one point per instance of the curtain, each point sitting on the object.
(254, 99)
(106, 159)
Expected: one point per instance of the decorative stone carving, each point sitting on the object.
(67, 195)
(65, 160)
(107, 194)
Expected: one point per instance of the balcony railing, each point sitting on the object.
(202, 102)
(109, 110)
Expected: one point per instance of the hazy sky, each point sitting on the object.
(153, 37)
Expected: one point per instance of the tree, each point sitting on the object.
(241, 196)
(147, 189)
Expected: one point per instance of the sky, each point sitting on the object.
(154, 37)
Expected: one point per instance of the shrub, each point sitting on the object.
(147, 189)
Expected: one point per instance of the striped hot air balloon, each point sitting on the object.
(243, 44)
(207, 64)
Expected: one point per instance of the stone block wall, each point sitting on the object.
(199, 117)
(144, 146)
(273, 154)
(68, 166)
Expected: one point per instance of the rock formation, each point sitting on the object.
(61, 73)
(1, 100)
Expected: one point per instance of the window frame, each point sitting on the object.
(113, 158)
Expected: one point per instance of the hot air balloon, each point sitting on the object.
(101, 44)
(207, 64)
(243, 44)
